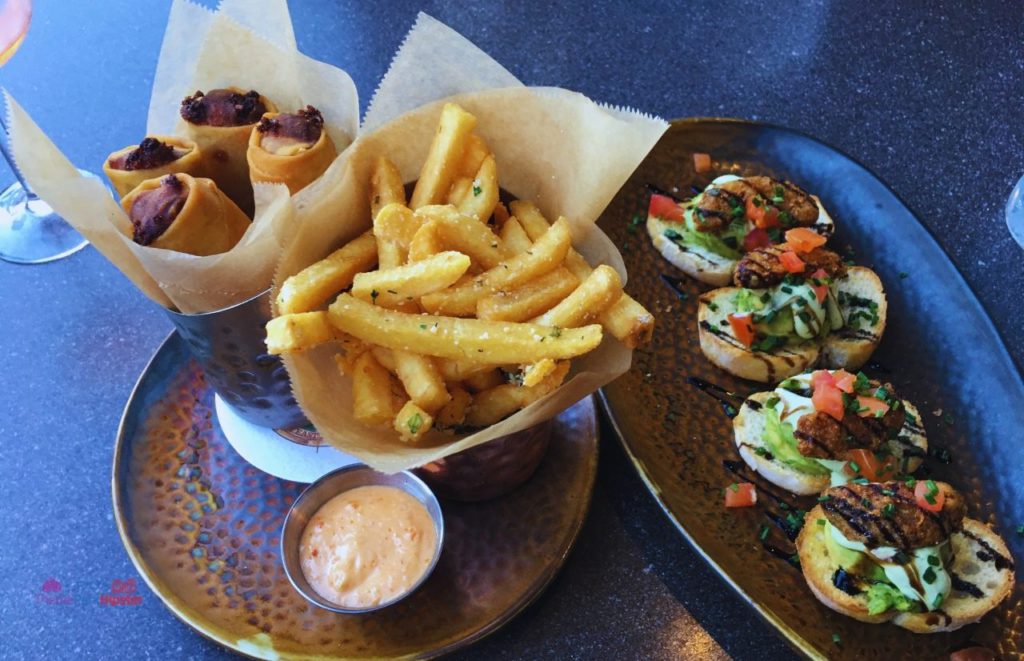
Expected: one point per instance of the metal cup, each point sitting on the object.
(229, 345)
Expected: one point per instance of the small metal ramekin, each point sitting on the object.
(331, 485)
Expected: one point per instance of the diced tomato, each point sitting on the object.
(756, 238)
(973, 654)
(743, 494)
(791, 262)
(761, 214)
(828, 399)
(822, 377)
(926, 489)
(742, 327)
(802, 239)
(869, 406)
(869, 466)
(664, 207)
(844, 381)
(702, 162)
(820, 291)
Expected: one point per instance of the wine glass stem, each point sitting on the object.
(5, 149)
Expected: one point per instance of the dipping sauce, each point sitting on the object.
(367, 546)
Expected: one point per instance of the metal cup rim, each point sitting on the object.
(290, 542)
(195, 315)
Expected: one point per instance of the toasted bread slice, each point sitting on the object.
(721, 347)
(707, 266)
(749, 425)
(852, 345)
(693, 261)
(849, 347)
(994, 583)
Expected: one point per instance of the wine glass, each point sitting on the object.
(30, 231)
(1015, 212)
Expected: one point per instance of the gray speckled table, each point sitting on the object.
(927, 96)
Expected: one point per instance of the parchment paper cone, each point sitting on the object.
(553, 146)
(201, 50)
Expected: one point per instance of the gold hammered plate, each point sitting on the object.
(202, 528)
(958, 373)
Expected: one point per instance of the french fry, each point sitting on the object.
(412, 422)
(393, 227)
(491, 406)
(485, 380)
(453, 413)
(426, 242)
(597, 293)
(460, 189)
(419, 375)
(497, 342)
(446, 150)
(544, 256)
(534, 374)
(482, 196)
(461, 369)
(385, 186)
(513, 234)
(402, 284)
(529, 300)
(473, 155)
(466, 234)
(299, 331)
(372, 401)
(314, 285)
(501, 214)
(627, 320)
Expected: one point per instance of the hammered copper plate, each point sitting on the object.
(202, 527)
(956, 370)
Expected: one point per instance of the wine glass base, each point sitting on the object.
(31, 232)
(1015, 213)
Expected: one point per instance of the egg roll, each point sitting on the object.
(290, 148)
(180, 212)
(220, 121)
(152, 158)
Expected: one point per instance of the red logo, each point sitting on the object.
(50, 594)
(122, 593)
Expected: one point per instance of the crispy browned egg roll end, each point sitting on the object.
(183, 213)
(220, 121)
(290, 148)
(152, 158)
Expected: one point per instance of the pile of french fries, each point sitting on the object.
(456, 311)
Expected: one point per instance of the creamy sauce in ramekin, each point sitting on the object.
(367, 546)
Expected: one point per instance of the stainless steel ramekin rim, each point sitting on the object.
(300, 585)
(194, 315)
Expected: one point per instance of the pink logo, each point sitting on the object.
(122, 593)
(50, 594)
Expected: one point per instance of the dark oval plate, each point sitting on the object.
(940, 350)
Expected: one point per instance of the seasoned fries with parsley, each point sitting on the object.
(454, 310)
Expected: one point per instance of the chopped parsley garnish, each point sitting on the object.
(712, 306)
(771, 401)
(912, 418)
(933, 490)
(837, 640)
(933, 560)
(910, 482)
(374, 294)
(862, 382)
(938, 600)
(824, 499)
(423, 327)
(854, 466)
(820, 522)
(414, 423)
(888, 510)
(777, 194)
(634, 224)
(764, 533)
(556, 331)
(768, 342)
(735, 487)
(928, 576)
(862, 480)
(477, 190)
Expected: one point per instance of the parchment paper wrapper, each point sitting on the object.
(552, 146)
(201, 50)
